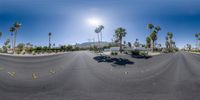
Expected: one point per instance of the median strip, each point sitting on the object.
(13, 74)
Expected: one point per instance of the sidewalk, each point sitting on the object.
(153, 53)
(195, 52)
(31, 55)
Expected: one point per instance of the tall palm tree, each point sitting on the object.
(153, 34)
(198, 42)
(12, 30)
(1, 34)
(157, 28)
(16, 25)
(97, 31)
(119, 34)
(148, 42)
(170, 35)
(49, 34)
(153, 38)
(101, 27)
(150, 26)
(197, 39)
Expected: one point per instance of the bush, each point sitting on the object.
(114, 53)
(135, 52)
(139, 53)
(33, 53)
(195, 50)
(18, 51)
(142, 53)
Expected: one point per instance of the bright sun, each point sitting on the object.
(94, 21)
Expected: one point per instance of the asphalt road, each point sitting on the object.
(85, 76)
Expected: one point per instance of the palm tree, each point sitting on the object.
(148, 42)
(136, 43)
(16, 25)
(1, 34)
(119, 34)
(97, 31)
(153, 38)
(167, 44)
(153, 34)
(12, 29)
(101, 27)
(197, 39)
(170, 36)
(150, 26)
(157, 28)
(189, 47)
(49, 34)
(159, 46)
(198, 43)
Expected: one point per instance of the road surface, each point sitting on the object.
(83, 76)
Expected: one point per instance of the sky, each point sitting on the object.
(67, 20)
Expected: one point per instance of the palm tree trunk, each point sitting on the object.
(152, 46)
(11, 39)
(197, 43)
(101, 36)
(151, 43)
(98, 42)
(49, 42)
(15, 35)
(101, 39)
(120, 45)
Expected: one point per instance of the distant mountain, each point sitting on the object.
(88, 44)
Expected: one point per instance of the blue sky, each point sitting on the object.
(67, 19)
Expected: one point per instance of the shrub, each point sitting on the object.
(142, 53)
(195, 50)
(33, 53)
(114, 53)
(135, 52)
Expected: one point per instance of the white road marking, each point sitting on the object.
(34, 76)
(125, 72)
(13, 74)
(52, 71)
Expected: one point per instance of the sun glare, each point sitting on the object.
(94, 21)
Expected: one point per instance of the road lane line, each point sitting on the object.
(52, 71)
(34, 76)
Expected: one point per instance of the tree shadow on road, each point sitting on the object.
(115, 61)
